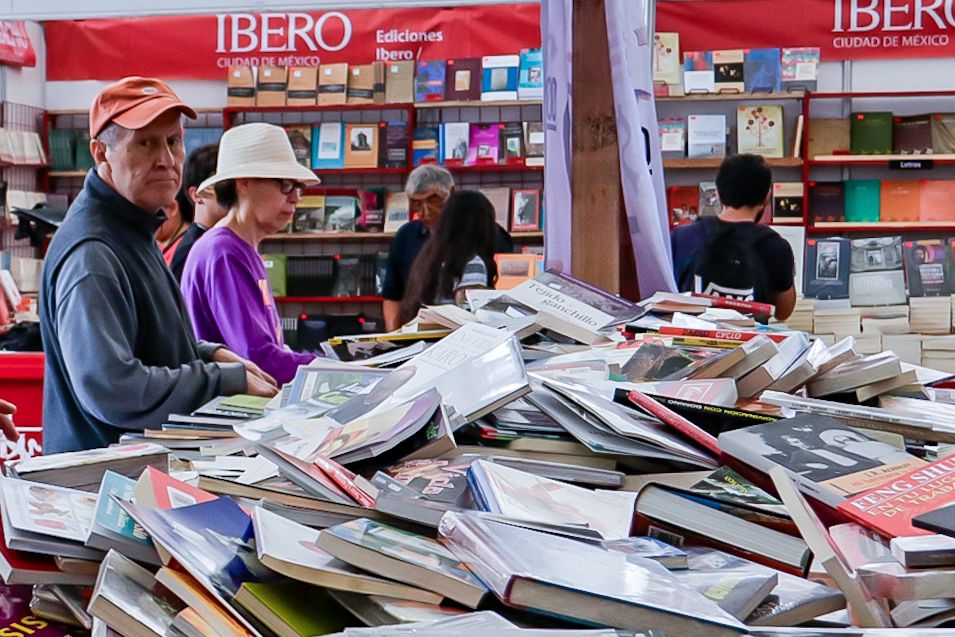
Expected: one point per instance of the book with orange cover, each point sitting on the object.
(899, 200)
(361, 146)
(937, 200)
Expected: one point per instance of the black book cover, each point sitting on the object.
(827, 201)
(711, 418)
(393, 153)
(827, 263)
(938, 521)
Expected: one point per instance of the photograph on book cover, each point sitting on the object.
(499, 79)
(361, 137)
(526, 210)
(826, 454)
(827, 260)
(462, 80)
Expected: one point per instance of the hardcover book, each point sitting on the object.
(684, 204)
(706, 136)
(270, 87)
(672, 136)
(798, 68)
(876, 253)
(829, 137)
(405, 556)
(361, 149)
(862, 200)
(736, 585)
(530, 82)
(759, 130)
(943, 133)
(399, 82)
(728, 70)
(900, 200)
(926, 267)
(534, 143)
(455, 138)
(870, 133)
(666, 59)
(827, 201)
(483, 145)
(332, 84)
(396, 211)
(787, 201)
(425, 145)
(937, 200)
(762, 70)
(429, 81)
(582, 583)
(309, 217)
(463, 79)
(394, 145)
(500, 77)
(341, 213)
(301, 139)
(912, 135)
(85, 469)
(830, 461)
(500, 198)
(525, 207)
(112, 528)
(512, 142)
(328, 148)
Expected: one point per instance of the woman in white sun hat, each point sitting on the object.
(224, 283)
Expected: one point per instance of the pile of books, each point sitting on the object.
(874, 201)
(548, 459)
(21, 147)
(489, 79)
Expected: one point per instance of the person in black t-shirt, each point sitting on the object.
(706, 251)
(200, 164)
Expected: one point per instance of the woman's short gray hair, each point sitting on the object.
(429, 177)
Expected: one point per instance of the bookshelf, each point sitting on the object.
(714, 163)
(733, 97)
(842, 167)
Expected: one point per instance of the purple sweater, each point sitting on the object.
(229, 300)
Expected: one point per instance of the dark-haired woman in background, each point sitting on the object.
(458, 255)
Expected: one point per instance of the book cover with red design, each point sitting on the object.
(728, 335)
(673, 419)
(888, 509)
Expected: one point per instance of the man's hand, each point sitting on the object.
(7, 410)
(255, 377)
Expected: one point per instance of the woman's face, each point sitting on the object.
(270, 208)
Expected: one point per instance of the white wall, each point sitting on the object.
(27, 85)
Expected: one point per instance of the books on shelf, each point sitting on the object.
(455, 138)
(728, 71)
(271, 86)
(762, 70)
(666, 63)
(526, 213)
(463, 79)
(899, 200)
(429, 80)
(870, 133)
(706, 136)
(530, 84)
(799, 68)
(759, 130)
(912, 135)
(862, 200)
(399, 82)
(328, 147)
(361, 145)
(827, 201)
(927, 267)
(828, 137)
(500, 77)
(788, 203)
(534, 143)
(827, 268)
(672, 136)
(332, 84)
(698, 72)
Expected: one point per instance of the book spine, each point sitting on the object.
(676, 421)
(729, 335)
(749, 307)
(344, 479)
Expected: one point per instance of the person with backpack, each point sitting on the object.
(732, 254)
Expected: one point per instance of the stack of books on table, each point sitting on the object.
(930, 314)
(551, 460)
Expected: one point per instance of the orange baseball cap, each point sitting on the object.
(133, 102)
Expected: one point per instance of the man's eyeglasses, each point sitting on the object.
(286, 186)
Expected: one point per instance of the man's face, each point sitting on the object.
(145, 165)
(428, 205)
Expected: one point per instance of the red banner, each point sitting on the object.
(203, 47)
(15, 46)
(842, 29)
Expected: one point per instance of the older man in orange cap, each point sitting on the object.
(120, 351)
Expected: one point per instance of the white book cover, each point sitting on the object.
(547, 300)
(87, 457)
(706, 136)
(759, 129)
(525, 496)
(699, 81)
(499, 79)
(48, 509)
(666, 58)
(795, 236)
(330, 141)
(455, 139)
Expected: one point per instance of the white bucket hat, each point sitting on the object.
(257, 151)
